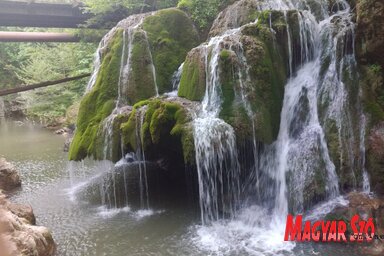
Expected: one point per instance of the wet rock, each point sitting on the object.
(67, 143)
(18, 235)
(376, 157)
(193, 78)
(62, 131)
(366, 207)
(236, 15)
(9, 177)
(165, 130)
(23, 211)
(370, 31)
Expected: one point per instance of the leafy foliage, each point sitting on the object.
(108, 13)
(27, 63)
(203, 12)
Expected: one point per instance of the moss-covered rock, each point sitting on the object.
(98, 103)
(252, 73)
(171, 35)
(236, 15)
(376, 157)
(160, 126)
(369, 42)
(370, 31)
(154, 47)
(193, 77)
(141, 83)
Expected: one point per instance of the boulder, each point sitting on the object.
(18, 235)
(366, 207)
(9, 177)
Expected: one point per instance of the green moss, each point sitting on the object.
(228, 84)
(98, 103)
(225, 54)
(164, 123)
(373, 92)
(141, 84)
(171, 35)
(268, 77)
(192, 83)
(128, 131)
(117, 137)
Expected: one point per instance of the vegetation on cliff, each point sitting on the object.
(98, 103)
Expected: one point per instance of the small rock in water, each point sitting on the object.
(9, 177)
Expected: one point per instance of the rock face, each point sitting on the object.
(369, 49)
(366, 207)
(9, 177)
(18, 234)
(376, 157)
(236, 15)
(370, 31)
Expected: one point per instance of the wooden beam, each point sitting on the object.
(30, 14)
(6, 36)
(39, 85)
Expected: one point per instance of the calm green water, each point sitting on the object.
(53, 187)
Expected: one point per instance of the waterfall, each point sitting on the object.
(140, 154)
(363, 126)
(315, 95)
(108, 186)
(215, 143)
(123, 85)
(97, 58)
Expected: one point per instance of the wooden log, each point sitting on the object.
(39, 85)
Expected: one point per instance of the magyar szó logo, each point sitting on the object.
(330, 231)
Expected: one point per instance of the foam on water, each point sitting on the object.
(321, 210)
(107, 213)
(141, 214)
(251, 233)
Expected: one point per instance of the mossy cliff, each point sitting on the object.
(370, 51)
(171, 35)
(99, 102)
(253, 67)
(155, 44)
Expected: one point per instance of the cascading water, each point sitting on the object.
(363, 127)
(300, 155)
(140, 154)
(176, 81)
(97, 58)
(215, 143)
